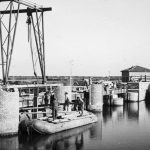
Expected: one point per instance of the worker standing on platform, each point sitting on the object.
(52, 97)
(80, 105)
(86, 98)
(46, 98)
(67, 102)
(54, 104)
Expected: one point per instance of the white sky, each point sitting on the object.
(100, 37)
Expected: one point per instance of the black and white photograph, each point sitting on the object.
(74, 74)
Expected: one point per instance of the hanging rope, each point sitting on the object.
(29, 26)
(31, 45)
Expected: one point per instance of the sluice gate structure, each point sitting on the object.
(9, 17)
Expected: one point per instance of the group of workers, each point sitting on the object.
(49, 96)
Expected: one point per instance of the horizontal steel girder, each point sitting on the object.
(25, 10)
(25, 3)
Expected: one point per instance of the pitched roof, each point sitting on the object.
(137, 69)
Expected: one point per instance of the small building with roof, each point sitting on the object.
(135, 74)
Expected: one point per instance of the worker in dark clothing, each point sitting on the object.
(46, 101)
(67, 102)
(52, 97)
(54, 104)
(86, 99)
(46, 98)
(80, 105)
(76, 105)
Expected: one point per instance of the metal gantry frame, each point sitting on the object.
(8, 33)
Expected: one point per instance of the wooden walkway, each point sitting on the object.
(31, 85)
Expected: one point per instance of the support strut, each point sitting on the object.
(7, 41)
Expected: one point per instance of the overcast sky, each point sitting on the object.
(98, 37)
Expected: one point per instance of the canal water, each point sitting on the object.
(118, 128)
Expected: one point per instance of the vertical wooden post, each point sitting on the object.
(2, 51)
(35, 102)
(139, 93)
(127, 91)
(90, 94)
(44, 78)
(138, 108)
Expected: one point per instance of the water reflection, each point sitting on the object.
(132, 111)
(79, 141)
(147, 103)
(126, 127)
(110, 113)
(65, 140)
(107, 114)
(9, 143)
(96, 131)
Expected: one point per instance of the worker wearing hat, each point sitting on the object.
(80, 105)
(67, 102)
(54, 105)
(46, 97)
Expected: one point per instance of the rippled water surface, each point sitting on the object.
(118, 128)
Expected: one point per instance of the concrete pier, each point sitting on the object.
(60, 93)
(96, 97)
(9, 111)
(137, 90)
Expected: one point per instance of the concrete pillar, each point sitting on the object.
(9, 112)
(35, 102)
(60, 93)
(96, 97)
(133, 96)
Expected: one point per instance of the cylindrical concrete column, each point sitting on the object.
(60, 93)
(96, 96)
(133, 96)
(9, 112)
